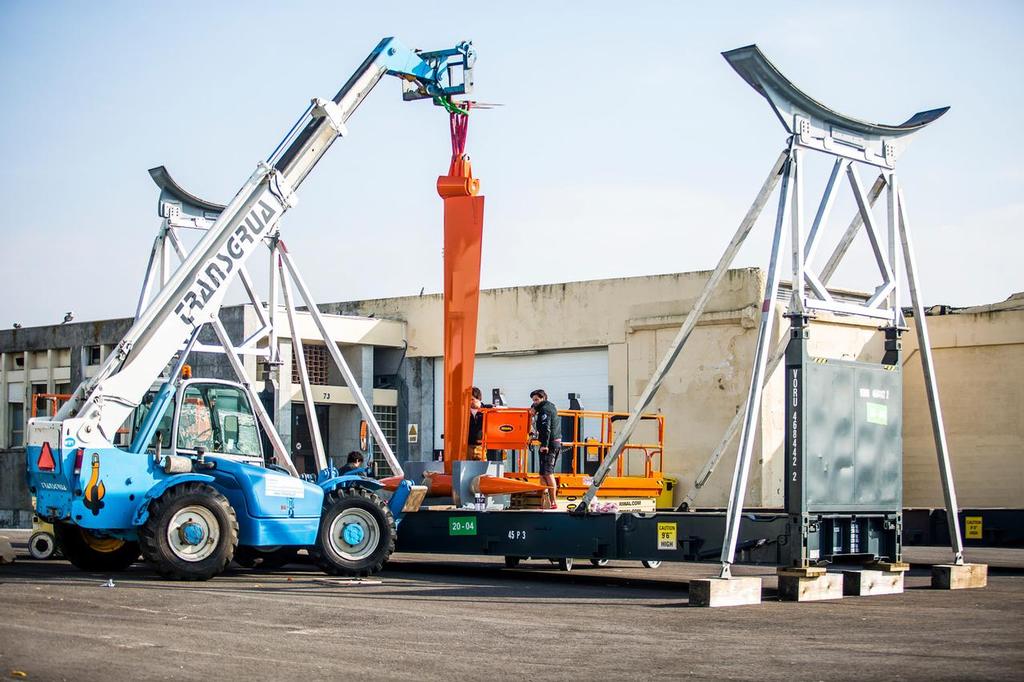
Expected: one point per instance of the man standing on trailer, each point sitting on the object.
(549, 433)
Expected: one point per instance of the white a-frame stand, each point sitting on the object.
(851, 143)
(181, 210)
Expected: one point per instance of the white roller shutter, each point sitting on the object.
(584, 372)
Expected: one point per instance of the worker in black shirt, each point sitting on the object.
(476, 421)
(355, 461)
(549, 433)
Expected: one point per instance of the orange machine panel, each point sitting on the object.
(507, 428)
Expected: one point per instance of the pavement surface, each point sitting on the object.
(432, 617)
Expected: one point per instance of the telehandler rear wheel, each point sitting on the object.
(91, 552)
(357, 533)
(191, 532)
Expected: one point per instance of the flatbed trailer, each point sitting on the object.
(658, 536)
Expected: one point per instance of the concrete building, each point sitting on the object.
(600, 339)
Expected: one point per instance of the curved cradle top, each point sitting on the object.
(790, 102)
(171, 191)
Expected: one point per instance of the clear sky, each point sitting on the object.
(626, 146)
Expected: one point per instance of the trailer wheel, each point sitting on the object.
(600, 563)
(191, 532)
(265, 559)
(91, 552)
(651, 564)
(512, 561)
(565, 564)
(357, 533)
(41, 546)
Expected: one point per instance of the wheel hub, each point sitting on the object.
(191, 533)
(353, 533)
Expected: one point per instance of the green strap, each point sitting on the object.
(450, 106)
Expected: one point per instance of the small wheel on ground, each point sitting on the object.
(41, 546)
(91, 552)
(357, 533)
(512, 561)
(565, 564)
(600, 563)
(191, 532)
(651, 564)
(265, 559)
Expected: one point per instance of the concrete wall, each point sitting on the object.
(15, 503)
(979, 361)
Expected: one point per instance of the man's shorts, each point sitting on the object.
(547, 463)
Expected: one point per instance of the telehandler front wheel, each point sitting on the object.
(91, 552)
(357, 533)
(191, 532)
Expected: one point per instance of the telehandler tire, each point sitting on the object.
(42, 546)
(357, 533)
(191, 532)
(94, 553)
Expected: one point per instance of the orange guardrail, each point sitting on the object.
(509, 429)
(53, 402)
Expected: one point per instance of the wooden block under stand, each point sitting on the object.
(810, 588)
(866, 583)
(802, 571)
(716, 592)
(962, 577)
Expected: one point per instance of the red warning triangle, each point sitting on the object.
(46, 461)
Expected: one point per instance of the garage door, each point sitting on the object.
(584, 372)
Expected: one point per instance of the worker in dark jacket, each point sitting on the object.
(354, 462)
(549, 433)
(476, 421)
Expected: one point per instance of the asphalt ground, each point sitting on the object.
(431, 617)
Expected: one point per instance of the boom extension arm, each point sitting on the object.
(194, 294)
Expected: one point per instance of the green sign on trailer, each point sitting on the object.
(462, 525)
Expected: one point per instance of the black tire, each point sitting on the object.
(372, 522)
(203, 507)
(93, 553)
(651, 564)
(512, 561)
(565, 564)
(41, 546)
(600, 563)
(265, 560)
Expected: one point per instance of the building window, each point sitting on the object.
(93, 355)
(19, 361)
(316, 364)
(387, 417)
(17, 424)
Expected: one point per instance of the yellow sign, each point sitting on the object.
(667, 536)
(973, 524)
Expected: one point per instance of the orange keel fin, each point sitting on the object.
(463, 241)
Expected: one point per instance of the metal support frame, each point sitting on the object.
(341, 364)
(299, 353)
(746, 225)
(812, 126)
(265, 341)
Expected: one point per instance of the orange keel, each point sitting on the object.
(463, 236)
(497, 485)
